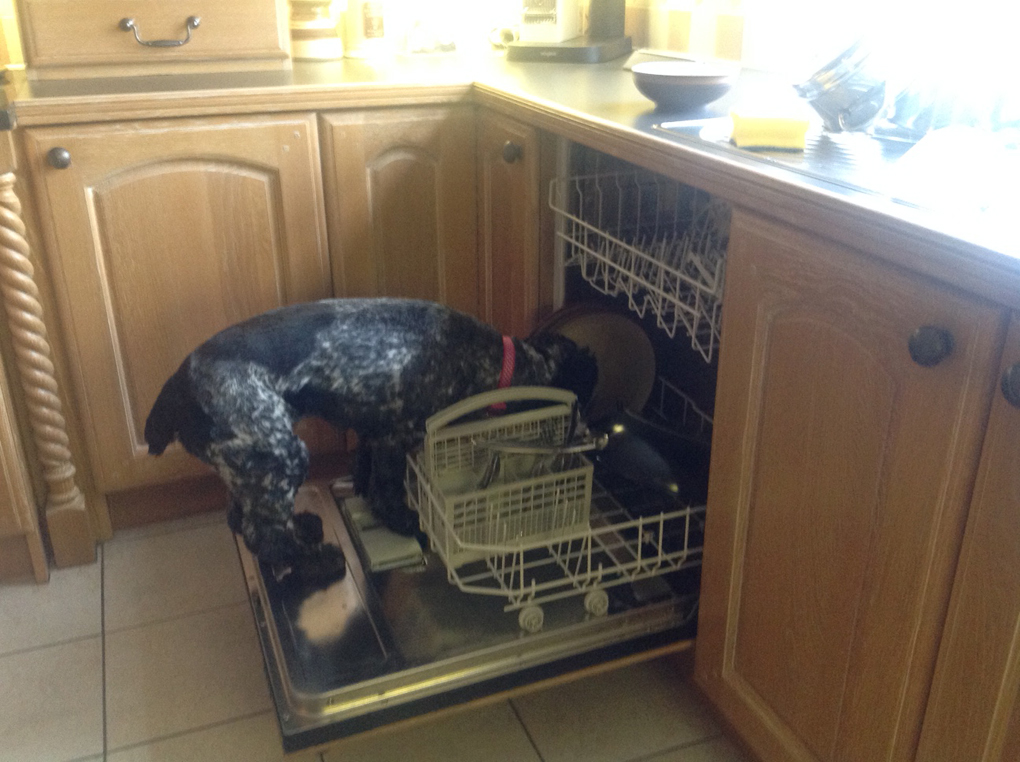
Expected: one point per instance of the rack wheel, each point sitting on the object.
(596, 602)
(531, 618)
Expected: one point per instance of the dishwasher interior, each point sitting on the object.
(417, 626)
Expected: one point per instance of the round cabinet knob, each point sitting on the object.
(512, 152)
(1011, 384)
(59, 158)
(929, 345)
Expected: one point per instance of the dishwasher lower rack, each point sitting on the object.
(616, 549)
(531, 538)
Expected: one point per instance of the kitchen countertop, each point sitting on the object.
(595, 104)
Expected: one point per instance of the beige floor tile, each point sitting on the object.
(491, 733)
(639, 710)
(168, 527)
(171, 677)
(716, 750)
(252, 739)
(68, 607)
(162, 576)
(51, 703)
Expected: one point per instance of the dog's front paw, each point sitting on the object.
(320, 566)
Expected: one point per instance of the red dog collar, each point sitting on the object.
(509, 359)
(506, 373)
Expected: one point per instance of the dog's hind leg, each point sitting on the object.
(386, 495)
(362, 473)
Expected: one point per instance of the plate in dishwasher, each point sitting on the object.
(377, 647)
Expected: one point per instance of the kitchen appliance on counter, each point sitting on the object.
(550, 30)
(550, 20)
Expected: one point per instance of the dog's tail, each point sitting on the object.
(169, 413)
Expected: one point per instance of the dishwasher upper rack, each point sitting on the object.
(660, 243)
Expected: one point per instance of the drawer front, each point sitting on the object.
(88, 32)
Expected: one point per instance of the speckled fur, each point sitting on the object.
(378, 366)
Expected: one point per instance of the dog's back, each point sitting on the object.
(367, 364)
(312, 352)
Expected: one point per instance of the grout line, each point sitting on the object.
(102, 630)
(165, 620)
(44, 646)
(679, 747)
(162, 529)
(189, 731)
(524, 727)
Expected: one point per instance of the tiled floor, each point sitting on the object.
(151, 655)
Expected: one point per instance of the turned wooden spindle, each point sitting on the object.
(66, 513)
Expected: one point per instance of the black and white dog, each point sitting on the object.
(378, 366)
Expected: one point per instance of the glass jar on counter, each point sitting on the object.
(365, 28)
(849, 91)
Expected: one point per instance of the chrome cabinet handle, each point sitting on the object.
(59, 158)
(129, 25)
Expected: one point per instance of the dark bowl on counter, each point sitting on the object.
(682, 85)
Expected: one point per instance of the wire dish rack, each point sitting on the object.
(658, 242)
(527, 530)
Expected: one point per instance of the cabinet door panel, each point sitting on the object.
(143, 262)
(840, 476)
(509, 222)
(405, 198)
(400, 190)
(974, 710)
(21, 546)
(159, 235)
(807, 538)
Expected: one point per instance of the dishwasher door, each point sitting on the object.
(379, 646)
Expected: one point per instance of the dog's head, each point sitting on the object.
(573, 367)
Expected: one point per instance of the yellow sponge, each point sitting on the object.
(758, 129)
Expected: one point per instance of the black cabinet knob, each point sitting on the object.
(512, 152)
(929, 345)
(1011, 384)
(59, 158)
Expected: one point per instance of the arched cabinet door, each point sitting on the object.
(850, 412)
(400, 195)
(158, 234)
(974, 709)
(509, 214)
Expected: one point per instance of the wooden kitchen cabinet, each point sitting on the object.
(21, 548)
(509, 222)
(158, 234)
(974, 710)
(400, 200)
(841, 475)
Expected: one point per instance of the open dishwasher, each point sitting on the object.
(540, 561)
